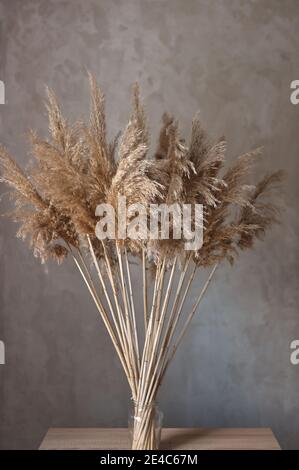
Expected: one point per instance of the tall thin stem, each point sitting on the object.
(125, 333)
(132, 308)
(169, 330)
(190, 316)
(115, 321)
(144, 373)
(124, 291)
(144, 283)
(144, 360)
(90, 286)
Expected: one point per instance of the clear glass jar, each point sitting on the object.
(145, 424)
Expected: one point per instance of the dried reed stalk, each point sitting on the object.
(76, 169)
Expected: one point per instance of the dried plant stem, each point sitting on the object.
(154, 346)
(161, 369)
(144, 377)
(139, 422)
(144, 284)
(125, 333)
(177, 317)
(104, 317)
(174, 309)
(158, 304)
(161, 365)
(161, 265)
(143, 427)
(132, 308)
(132, 350)
(191, 315)
(172, 320)
(115, 321)
(154, 314)
(115, 295)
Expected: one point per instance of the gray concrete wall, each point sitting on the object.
(232, 59)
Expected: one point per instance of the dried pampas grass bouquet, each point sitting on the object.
(103, 203)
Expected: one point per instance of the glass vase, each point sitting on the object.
(145, 424)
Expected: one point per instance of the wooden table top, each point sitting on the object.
(172, 438)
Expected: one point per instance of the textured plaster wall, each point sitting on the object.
(232, 59)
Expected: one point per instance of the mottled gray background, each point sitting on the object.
(232, 59)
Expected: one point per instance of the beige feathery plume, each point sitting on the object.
(76, 170)
(135, 176)
(219, 192)
(39, 220)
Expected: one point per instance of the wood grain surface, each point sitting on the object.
(172, 438)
